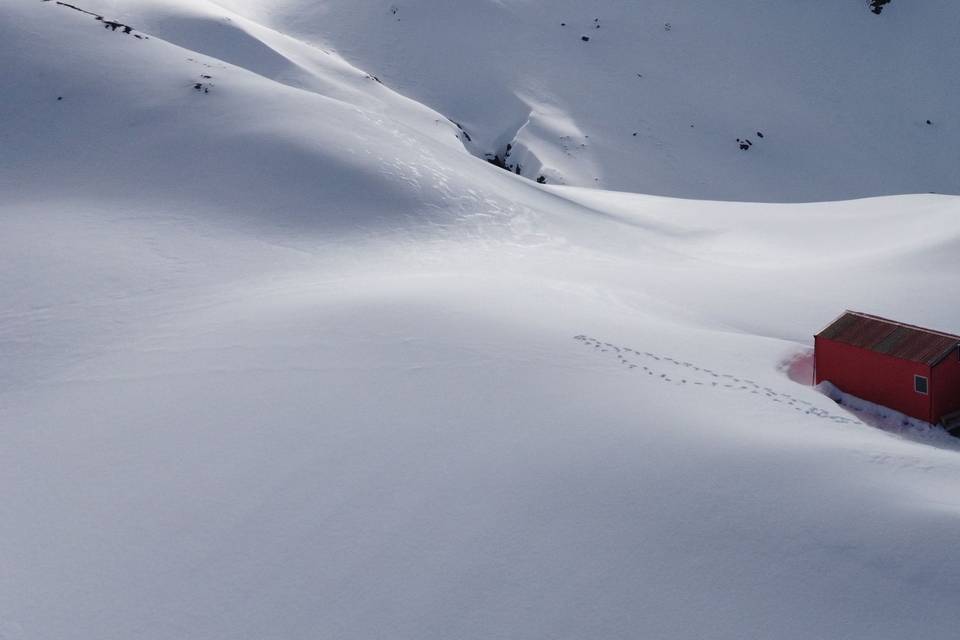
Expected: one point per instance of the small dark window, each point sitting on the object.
(920, 384)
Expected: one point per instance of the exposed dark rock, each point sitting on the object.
(463, 131)
(503, 161)
(113, 25)
(496, 161)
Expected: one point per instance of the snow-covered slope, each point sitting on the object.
(280, 359)
(658, 97)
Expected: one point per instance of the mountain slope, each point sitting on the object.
(841, 96)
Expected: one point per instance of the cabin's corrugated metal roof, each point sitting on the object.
(890, 337)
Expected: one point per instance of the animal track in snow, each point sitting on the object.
(683, 373)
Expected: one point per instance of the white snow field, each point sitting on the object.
(281, 359)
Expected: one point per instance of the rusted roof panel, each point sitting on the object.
(890, 337)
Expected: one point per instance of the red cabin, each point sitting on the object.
(909, 369)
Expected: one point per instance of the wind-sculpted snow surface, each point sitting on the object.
(280, 359)
(664, 95)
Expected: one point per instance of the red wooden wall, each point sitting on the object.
(875, 377)
(946, 386)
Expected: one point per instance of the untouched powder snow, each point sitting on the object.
(281, 359)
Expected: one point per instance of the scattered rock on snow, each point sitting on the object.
(462, 131)
(203, 87)
(113, 25)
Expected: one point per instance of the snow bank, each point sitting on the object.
(885, 418)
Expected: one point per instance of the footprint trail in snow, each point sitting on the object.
(670, 370)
